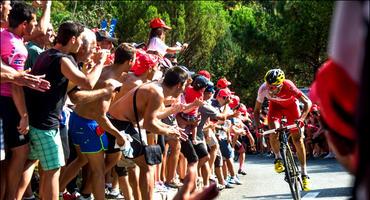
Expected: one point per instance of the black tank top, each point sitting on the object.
(44, 108)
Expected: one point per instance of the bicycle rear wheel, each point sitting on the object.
(291, 173)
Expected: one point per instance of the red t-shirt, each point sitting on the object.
(190, 96)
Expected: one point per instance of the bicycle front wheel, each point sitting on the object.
(292, 175)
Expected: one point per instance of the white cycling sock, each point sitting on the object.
(303, 170)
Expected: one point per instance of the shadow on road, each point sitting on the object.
(334, 192)
(323, 193)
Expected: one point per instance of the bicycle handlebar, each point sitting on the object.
(279, 129)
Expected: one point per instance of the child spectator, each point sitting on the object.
(193, 92)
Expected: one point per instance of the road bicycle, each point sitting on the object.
(292, 173)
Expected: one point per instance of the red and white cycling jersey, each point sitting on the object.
(288, 94)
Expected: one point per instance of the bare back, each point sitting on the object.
(131, 82)
(149, 101)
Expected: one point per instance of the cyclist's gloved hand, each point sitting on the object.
(300, 123)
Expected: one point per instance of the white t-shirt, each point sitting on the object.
(156, 44)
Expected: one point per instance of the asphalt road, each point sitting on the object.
(328, 181)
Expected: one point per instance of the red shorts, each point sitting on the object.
(276, 112)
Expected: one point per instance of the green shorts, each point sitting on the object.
(46, 146)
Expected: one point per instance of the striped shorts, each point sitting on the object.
(46, 146)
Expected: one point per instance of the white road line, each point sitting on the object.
(311, 195)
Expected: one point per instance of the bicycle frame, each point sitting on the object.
(292, 173)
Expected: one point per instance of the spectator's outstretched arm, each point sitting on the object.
(9, 74)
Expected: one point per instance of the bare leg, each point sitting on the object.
(164, 163)
(133, 176)
(146, 178)
(230, 167)
(224, 169)
(96, 163)
(274, 140)
(125, 187)
(15, 169)
(173, 159)
(219, 175)
(192, 168)
(212, 156)
(301, 151)
(111, 160)
(182, 166)
(205, 170)
(72, 169)
(241, 158)
(26, 178)
(50, 186)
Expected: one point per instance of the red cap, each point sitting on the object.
(223, 83)
(205, 73)
(158, 23)
(224, 93)
(242, 108)
(234, 102)
(143, 62)
(337, 96)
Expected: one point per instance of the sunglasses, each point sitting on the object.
(274, 87)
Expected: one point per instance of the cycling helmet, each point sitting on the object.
(275, 77)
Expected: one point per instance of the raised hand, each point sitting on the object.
(100, 56)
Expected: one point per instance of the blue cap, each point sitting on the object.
(200, 82)
(210, 87)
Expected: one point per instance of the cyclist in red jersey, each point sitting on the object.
(283, 98)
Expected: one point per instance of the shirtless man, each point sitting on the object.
(149, 102)
(84, 128)
(144, 69)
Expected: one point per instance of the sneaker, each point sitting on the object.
(174, 184)
(306, 183)
(160, 187)
(228, 185)
(85, 198)
(213, 179)
(220, 187)
(279, 166)
(114, 194)
(235, 180)
(242, 172)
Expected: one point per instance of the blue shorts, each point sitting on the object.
(226, 149)
(83, 133)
